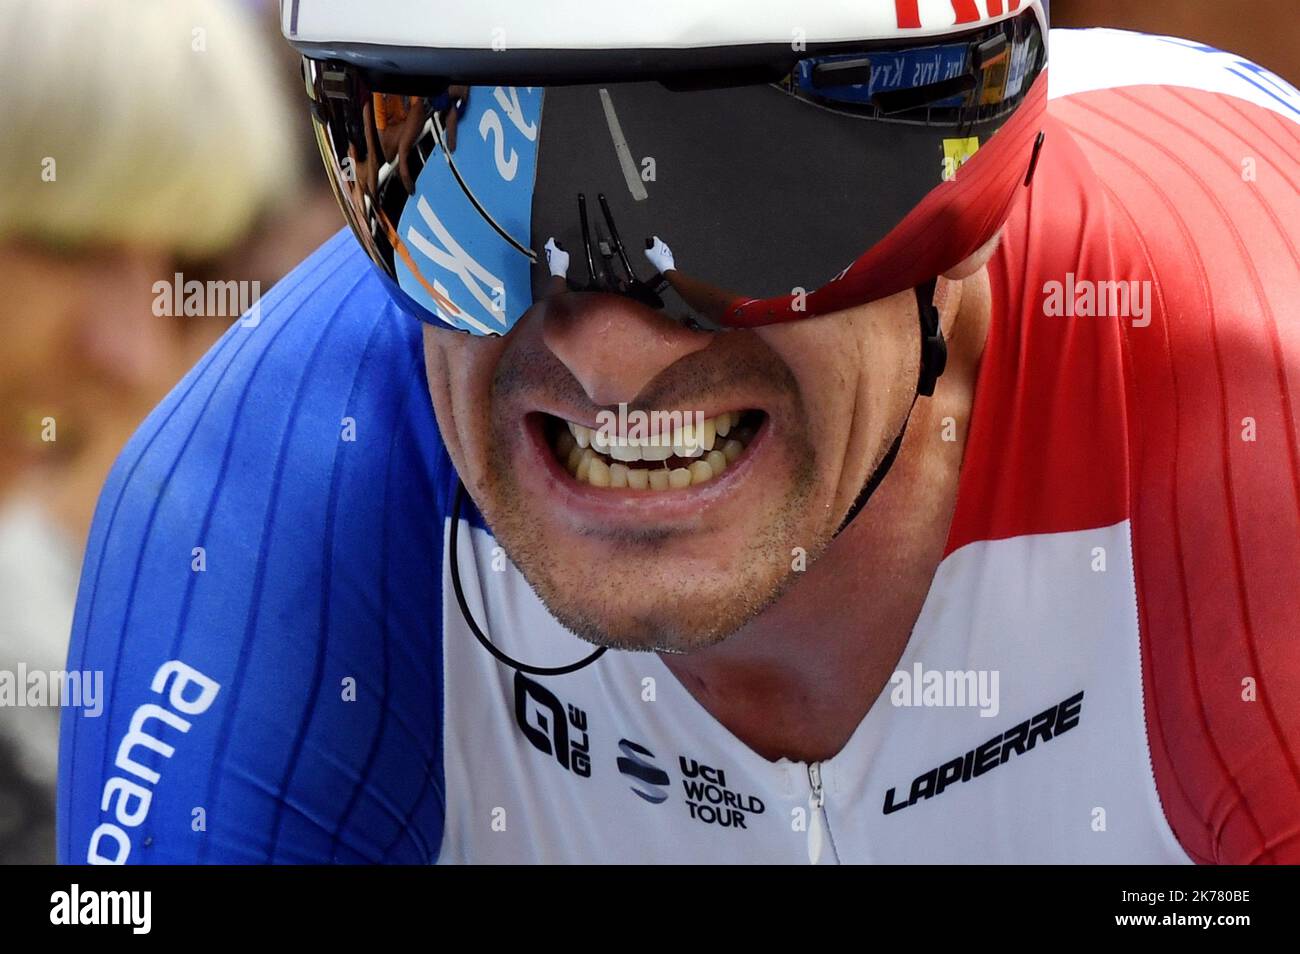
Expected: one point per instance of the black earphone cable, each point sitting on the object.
(487, 644)
(934, 361)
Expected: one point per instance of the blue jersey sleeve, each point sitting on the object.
(261, 593)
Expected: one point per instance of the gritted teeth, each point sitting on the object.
(692, 452)
(657, 440)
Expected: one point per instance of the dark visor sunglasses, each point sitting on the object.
(722, 188)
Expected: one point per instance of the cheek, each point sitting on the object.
(853, 373)
(459, 369)
(841, 363)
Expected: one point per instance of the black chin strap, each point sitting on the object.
(934, 359)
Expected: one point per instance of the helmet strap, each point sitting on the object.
(934, 360)
(934, 350)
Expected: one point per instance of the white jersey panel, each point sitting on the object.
(1087, 60)
(1052, 620)
(618, 763)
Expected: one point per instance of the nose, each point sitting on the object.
(614, 346)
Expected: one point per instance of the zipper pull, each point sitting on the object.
(816, 799)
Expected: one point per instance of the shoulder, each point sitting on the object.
(1097, 60)
(1159, 246)
(1169, 187)
(1172, 158)
(289, 431)
(269, 538)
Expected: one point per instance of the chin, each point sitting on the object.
(650, 606)
(673, 630)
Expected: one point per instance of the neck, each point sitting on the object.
(798, 680)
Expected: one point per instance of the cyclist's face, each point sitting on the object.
(819, 402)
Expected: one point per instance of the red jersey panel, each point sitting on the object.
(1145, 364)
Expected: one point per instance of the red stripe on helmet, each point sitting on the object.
(967, 11)
(909, 14)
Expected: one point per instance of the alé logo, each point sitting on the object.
(558, 730)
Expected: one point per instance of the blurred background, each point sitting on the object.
(175, 141)
(180, 143)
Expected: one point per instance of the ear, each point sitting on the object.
(975, 262)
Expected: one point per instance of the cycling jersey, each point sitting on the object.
(270, 590)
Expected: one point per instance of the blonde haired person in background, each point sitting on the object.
(138, 139)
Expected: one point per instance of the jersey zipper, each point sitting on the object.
(818, 823)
